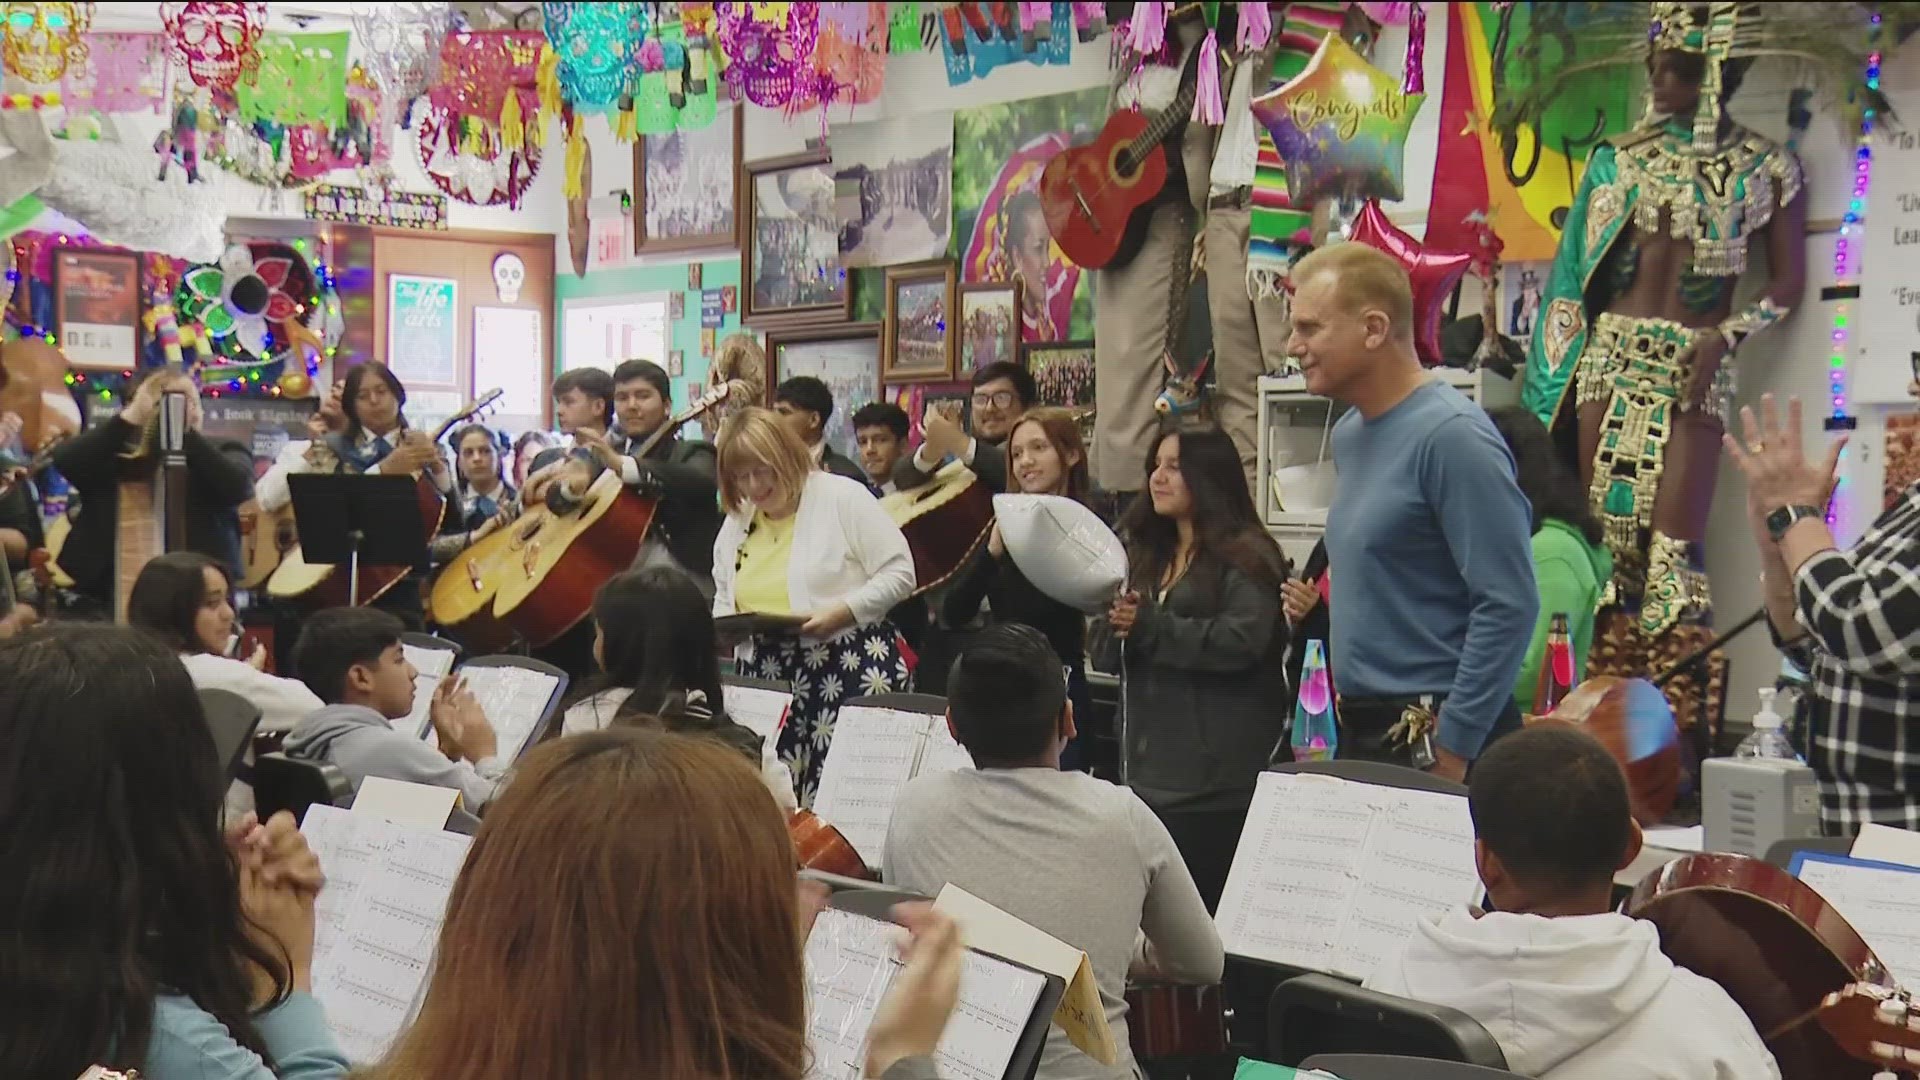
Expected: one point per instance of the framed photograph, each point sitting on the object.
(845, 357)
(676, 306)
(693, 275)
(790, 256)
(989, 324)
(676, 363)
(919, 340)
(917, 399)
(96, 307)
(1062, 372)
(687, 187)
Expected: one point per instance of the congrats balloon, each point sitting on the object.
(1341, 127)
(1063, 548)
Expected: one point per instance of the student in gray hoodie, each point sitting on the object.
(352, 659)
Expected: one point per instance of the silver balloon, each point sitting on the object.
(1063, 548)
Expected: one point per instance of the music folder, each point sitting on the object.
(733, 629)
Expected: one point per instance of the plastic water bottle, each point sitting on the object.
(1315, 735)
(1768, 738)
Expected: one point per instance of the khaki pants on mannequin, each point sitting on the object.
(1249, 336)
(1130, 313)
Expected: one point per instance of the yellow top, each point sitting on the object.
(760, 575)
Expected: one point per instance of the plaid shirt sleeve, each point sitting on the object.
(1868, 621)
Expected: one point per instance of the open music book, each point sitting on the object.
(1880, 900)
(759, 710)
(1331, 875)
(851, 962)
(873, 755)
(377, 921)
(515, 700)
(430, 666)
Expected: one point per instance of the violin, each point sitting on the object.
(1772, 943)
(819, 846)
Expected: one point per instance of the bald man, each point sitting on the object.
(1432, 576)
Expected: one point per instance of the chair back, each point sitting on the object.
(1321, 1014)
(872, 899)
(292, 784)
(1781, 852)
(231, 718)
(1385, 1067)
(1382, 773)
(419, 640)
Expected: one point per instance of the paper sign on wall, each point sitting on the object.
(713, 309)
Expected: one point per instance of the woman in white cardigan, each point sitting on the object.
(184, 599)
(798, 541)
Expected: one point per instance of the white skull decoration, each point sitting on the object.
(42, 38)
(509, 273)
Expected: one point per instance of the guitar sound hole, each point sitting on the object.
(1124, 165)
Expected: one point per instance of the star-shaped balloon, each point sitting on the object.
(1434, 274)
(1341, 127)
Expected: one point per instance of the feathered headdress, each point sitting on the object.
(1825, 46)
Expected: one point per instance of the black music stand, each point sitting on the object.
(350, 519)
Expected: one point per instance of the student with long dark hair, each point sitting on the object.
(134, 933)
(1047, 457)
(659, 667)
(184, 599)
(1571, 563)
(1199, 640)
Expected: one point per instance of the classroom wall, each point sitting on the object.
(658, 277)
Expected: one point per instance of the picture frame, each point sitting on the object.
(789, 209)
(702, 155)
(920, 338)
(845, 356)
(97, 305)
(1062, 371)
(989, 327)
(917, 398)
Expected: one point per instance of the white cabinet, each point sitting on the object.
(1296, 455)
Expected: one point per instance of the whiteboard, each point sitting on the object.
(1887, 332)
(602, 331)
(507, 354)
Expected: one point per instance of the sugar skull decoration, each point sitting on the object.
(509, 274)
(596, 52)
(215, 39)
(42, 39)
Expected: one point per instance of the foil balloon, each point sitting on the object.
(1341, 127)
(1434, 274)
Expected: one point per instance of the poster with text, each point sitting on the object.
(1887, 328)
(893, 189)
(97, 300)
(1000, 232)
(423, 335)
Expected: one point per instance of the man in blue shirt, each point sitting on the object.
(1433, 596)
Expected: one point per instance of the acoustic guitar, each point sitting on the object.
(1875, 1024)
(265, 539)
(1772, 943)
(555, 559)
(945, 520)
(326, 584)
(1168, 1020)
(1096, 197)
(1634, 721)
(819, 846)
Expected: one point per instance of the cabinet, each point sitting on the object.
(1296, 456)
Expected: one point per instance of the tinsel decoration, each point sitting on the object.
(594, 47)
(215, 39)
(1207, 106)
(1149, 27)
(1415, 79)
(1255, 30)
(43, 39)
(576, 160)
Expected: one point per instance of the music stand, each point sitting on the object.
(344, 518)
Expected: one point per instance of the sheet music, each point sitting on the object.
(1331, 875)
(873, 755)
(758, 710)
(996, 1001)
(374, 942)
(515, 701)
(1882, 903)
(851, 961)
(942, 753)
(432, 665)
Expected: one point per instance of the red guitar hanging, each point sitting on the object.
(1095, 196)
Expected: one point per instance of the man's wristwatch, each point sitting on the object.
(1784, 518)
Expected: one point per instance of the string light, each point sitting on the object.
(1845, 259)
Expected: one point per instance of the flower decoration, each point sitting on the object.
(243, 297)
(41, 39)
(215, 39)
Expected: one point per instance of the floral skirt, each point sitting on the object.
(823, 674)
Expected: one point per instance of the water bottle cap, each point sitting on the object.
(1766, 718)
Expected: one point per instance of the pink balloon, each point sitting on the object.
(1434, 273)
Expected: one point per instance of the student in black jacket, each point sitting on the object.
(219, 479)
(805, 405)
(1047, 458)
(680, 471)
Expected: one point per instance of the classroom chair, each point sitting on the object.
(284, 783)
(1386, 1067)
(1321, 1014)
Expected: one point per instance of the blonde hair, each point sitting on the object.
(757, 436)
(1364, 278)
